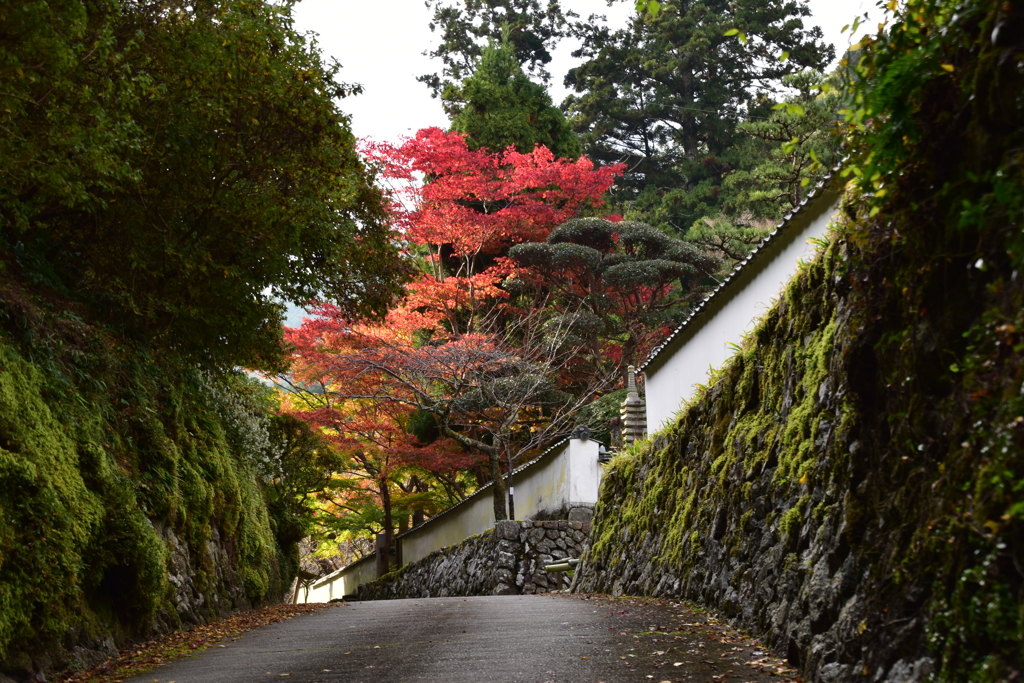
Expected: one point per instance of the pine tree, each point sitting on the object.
(666, 93)
(501, 107)
(466, 27)
(792, 149)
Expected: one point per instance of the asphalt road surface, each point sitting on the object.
(522, 639)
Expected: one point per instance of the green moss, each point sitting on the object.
(96, 446)
(792, 519)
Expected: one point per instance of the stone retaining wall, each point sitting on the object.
(506, 560)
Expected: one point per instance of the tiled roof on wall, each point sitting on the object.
(820, 190)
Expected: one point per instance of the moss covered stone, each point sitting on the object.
(125, 505)
(830, 492)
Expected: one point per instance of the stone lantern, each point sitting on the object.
(634, 412)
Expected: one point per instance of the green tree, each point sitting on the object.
(794, 148)
(666, 93)
(467, 27)
(184, 169)
(500, 107)
(621, 286)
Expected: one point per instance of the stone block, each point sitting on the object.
(550, 525)
(505, 560)
(507, 529)
(508, 547)
(552, 534)
(503, 575)
(580, 515)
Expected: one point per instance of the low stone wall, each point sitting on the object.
(506, 560)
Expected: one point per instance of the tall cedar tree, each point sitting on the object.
(797, 145)
(666, 93)
(500, 107)
(183, 168)
(531, 27)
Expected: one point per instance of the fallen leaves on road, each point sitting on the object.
(691, 642)
(158, 651)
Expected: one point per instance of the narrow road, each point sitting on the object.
(522, 639)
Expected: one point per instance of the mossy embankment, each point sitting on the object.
(852, 482)
(129, 501)
(845, 486)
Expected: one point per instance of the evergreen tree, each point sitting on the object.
(501, 106)
(205, 142)
(666, 93)
(468, 26)
(793, 149)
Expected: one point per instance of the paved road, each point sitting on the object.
(528, 639)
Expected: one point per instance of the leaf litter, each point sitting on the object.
(677, 641)
(156, 652)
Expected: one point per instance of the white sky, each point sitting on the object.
(380, 45)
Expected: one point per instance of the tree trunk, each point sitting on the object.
(498, 490)
(389, 531)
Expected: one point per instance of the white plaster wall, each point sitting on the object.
(554, 481)
(342, 582)
(585, 471)
(558, 479)
(474, 515)
(543, 486)
(671, 382)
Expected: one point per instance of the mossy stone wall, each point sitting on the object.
(125, 506)
(833, 487)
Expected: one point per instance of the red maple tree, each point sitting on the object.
(462, 209)
(455, 348)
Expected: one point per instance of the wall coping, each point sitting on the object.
(486, 487)
(825, 193)
(327, 578)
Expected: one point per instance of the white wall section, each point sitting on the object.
(702, 343)
(567, 475)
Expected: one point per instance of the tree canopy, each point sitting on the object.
(624, 283)
(666, 93)
(500, 107)
(184, 169)
(531, 27)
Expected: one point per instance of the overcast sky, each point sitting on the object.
(381, 45)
